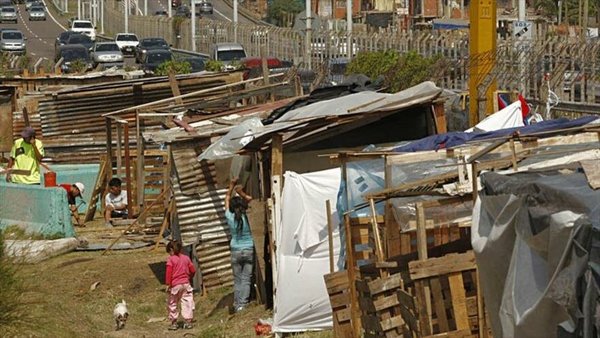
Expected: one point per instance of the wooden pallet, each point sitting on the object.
(379, 304)
(98, 190)
(338, 288)
(445, 294)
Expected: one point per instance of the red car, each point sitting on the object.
(252, 66)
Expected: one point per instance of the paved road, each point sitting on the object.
(40, 34)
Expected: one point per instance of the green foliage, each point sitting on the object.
(179, 67)
(400, 71)
(78, 66)
(12, 310)
(373, 64)
(213, 66)
(24, 61)
(282, 12)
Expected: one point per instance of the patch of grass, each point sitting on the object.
(18, 233)
(12, 309)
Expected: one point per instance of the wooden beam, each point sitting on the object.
(175, 87)
(329, 234)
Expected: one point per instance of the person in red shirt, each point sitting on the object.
(179, 271)
(73, 191)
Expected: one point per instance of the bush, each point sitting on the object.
(11, 307)
(213, 66)
(400, 71)
(179, 67)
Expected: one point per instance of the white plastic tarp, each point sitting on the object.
(228, 145)
(301, 301)
(509, 117)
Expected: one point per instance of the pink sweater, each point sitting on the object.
(179, 270)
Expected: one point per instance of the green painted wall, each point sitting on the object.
(36, 209)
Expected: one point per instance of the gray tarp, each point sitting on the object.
(536, 239)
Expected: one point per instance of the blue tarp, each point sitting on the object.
(453, 139)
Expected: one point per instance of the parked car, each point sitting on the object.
(37, 13)
(253, 66)
(84, 26)
(80, 39)
(175, 3)
(204, 7)
(127, 43)
(228, 53)
(183, 11)
(106, 53)
(8, 13)
(153, 58)
(161, 13)
(149, 44)
(12, 41)
(70, 54)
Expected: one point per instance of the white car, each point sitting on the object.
(127, 43)
(85, 27)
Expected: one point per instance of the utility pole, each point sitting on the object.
(146, 7)
(235, 19)
(78, 9)
(349, 46)
(193, 25)
(101, 16)
(307, 54)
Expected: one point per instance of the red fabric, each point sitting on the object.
(179, 270)
(524, 106)
(67, 187)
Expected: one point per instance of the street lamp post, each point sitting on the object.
(235, 19)
(126, 16)
(78, 9)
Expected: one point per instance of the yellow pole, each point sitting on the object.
(482, 50)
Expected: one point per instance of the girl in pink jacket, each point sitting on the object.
(179, 271)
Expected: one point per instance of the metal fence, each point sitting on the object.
(569, 67)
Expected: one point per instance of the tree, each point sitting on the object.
(399, 71)
(280, 11)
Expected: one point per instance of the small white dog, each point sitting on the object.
(120, 313)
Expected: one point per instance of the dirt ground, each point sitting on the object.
(63, 303)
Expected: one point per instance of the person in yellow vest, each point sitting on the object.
(26, 155)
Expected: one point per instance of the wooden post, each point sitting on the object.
(276, 185)
(392, 228)
(329, 234)
(175, 87)
(439, 117)
(128, 172)
(378, 248)
(119, 150)
(513, 155)
(350, 266)
(139, 140)
(421, 232)
(109, 156)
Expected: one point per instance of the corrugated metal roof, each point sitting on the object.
(71, 120)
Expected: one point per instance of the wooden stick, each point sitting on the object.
(134, 223)
(378, 247)
(329, 234)
(164, 224)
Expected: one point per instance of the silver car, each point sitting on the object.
(8, 13)
(107, 53)
(37, 13)
(12, 41)
(204, 7)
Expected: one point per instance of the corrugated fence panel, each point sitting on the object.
(201, 214)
